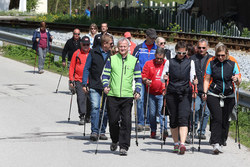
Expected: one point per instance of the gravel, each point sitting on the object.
(60, 37)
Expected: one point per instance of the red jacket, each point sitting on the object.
(77, 65)
(132, 47)
(153, 72)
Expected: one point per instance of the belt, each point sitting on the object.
(221, 96)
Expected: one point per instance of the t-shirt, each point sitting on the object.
(43, 39)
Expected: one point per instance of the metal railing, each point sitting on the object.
(244, 96)
(25, 41)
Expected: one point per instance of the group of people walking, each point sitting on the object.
(189, 81)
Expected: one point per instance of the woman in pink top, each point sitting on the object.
(41, 42)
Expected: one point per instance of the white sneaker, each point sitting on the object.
(216, 148)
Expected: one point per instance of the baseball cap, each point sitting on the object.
(151, 33)
(127, 34)
(85, 40)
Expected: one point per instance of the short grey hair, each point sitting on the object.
(203, 40)
(158, 39)
(123, 39)
(160, 51)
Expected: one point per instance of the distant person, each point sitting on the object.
(93, 30)
(41, 43)
(104, 30)
(76, 12)
(71, 46)
(145, 52)
(132, 44)
(161, 42)
(75, 76)
(88, 12)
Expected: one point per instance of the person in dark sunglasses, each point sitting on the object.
(200, 59)
(70, 47)
(179, 72)
(161, 42)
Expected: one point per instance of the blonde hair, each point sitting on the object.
(220, 47)
(106, 38)
(94, 26)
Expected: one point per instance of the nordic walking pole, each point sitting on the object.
(35, 60)
(60, 80)
(237, 135)
(136, 123)
(49, 55)
(164, 115)
(202, 119)
(193, 116)
(70, 107)
(145, 117)
(103, 110)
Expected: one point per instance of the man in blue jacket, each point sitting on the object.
(145, 52)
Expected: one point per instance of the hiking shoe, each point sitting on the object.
(182, 149)
(153, 135)
(123, 152)
(147, 128)
(216, 148)
(188, 139)
(103, 137)
(40, 71)
(93, 137)
(81, 122)
(176, 149)
(113, 146)
(139, 128)
(202, 136)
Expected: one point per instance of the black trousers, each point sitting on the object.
(81, 99)
(219, 118)
(119, 113)
(179, 109)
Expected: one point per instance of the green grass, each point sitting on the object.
(27, 56)
(244, 127)
(245, 85)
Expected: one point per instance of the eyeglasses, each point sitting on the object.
(220, 55)
(93, 28)
(85, 44)
(76, 33)
(181, 53)
(201, 47)
(162, 43)
(159, 59)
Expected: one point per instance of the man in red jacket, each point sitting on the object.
(75, 75)
(151, 76)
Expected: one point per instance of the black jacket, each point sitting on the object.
(97, 40)
(97, 65)
(200, 69)
(70, 47)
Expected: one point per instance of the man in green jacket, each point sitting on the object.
(117, 79)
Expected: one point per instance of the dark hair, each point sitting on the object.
(160, 51)
(180, 44)
(190, 49)
(43, 24)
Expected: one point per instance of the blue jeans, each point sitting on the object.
(199, 105)
(95, 98)
(140, 107)
(155, 107)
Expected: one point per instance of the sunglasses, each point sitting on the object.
(85, 44)
(93, 28)
(159, 59)
(181, 53)
(76, 34)
(220, 55)
(162, 43)
(201, 47)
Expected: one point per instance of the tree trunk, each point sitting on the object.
(57, 1)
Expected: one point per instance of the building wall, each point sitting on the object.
(4, 5)
(42, 6)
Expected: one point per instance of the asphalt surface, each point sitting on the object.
(34, 131)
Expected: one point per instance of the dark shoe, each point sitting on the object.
(87, 119)
(103, 137)
(153, 135)
(147, 128)
(93, 137)
(202, 136)
(81, 122)
(139, 128)
(113, 146)
(188, 139)
(123, 152)
(182, 149)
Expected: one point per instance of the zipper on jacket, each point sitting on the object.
(223, 82)
(121, 78)
(125, 70)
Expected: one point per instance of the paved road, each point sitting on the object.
(34, 130)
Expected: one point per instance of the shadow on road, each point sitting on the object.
(78, 137)
(157, 150)
(36, 72)
(63, 92)
(66, 122)
(101, 152)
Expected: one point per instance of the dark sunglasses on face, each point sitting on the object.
(221, 55)
(162, 43)
(159, 59)
(181, 53)
(76, 34)
(85, 44)
(201, 47)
